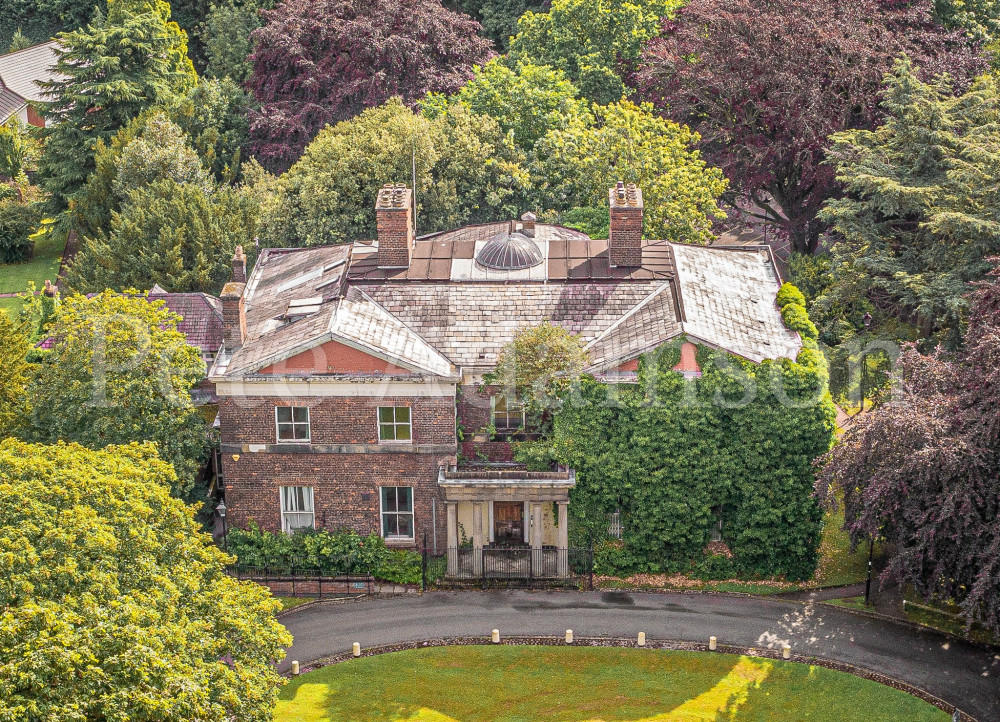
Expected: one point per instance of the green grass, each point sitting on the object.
(10, 306)
(14, 277)
(518, 684)
(853, 603)
(837, 566)
(292, 602)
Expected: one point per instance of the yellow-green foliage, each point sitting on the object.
(114, 605)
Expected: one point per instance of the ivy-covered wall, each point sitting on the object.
(672, 453)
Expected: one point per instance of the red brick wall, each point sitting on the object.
(395, 236)
(625, 236)
(345, 489)
(35, 118)
(335, 357)
(474, 409)
(336, 419)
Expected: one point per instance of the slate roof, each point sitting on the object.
(10, 103)
(20, 70)
(201, 317)
(434, 319)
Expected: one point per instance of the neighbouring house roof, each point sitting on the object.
(21, 70)
(10, 103)
(445, 312)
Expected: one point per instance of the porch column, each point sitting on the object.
(536, 539)
(452, 511)
(563, 545)
(477, 538)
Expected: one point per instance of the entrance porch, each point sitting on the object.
(507, 523)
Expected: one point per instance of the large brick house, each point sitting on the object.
(20, 75)
(349, 373)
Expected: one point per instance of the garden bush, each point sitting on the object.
(330, 552)
(17, 222)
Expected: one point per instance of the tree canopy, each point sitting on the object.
(227, 38)
(317, 62)
(118, 371)
(919, 221)
(596, 43)
(14, 347)
(923, 472)
(574, 167)
(467, 170)
(766, 84)
(114, 604)
(114, 68)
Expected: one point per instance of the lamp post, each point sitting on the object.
(868, 582)
(867, 321)
(221, 508)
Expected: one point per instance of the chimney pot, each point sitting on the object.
(239, 265)
(625, 231)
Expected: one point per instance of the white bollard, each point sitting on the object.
(642, 639)
(495, 637)
(786, 652)
(357, 649)
(295, 668)
(569, 636)
(712, 643)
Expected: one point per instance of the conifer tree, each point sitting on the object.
(123, 62)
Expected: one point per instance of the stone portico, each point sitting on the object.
(518, 517)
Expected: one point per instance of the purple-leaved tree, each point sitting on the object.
(922, 472)
(765, 83)
(317, 62)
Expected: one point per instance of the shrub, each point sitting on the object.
(796, 318)
(17, 222)
(714, 567)
(331, 552)
(788, 293)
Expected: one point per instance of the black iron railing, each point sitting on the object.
(355, 580)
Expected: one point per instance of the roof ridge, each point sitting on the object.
(631, 312)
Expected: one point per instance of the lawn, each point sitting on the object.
(14, 277)
(515, 684)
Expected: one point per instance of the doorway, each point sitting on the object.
(508, 523)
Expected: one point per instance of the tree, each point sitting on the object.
(14, 347)
(18, 221)
(317, 62)
(13, 150)
(528, 101)
(574, 167)
(979, 18)
(149, 148)
(181, 236)
(214, 117)
(765, 84)
(39, 20)
(119, 371)
(116, 605)
(110, 71)
(468, 171)
(226, 34)
(19, 41)
(539, 366)
(919, 221)
(922, 473)
(596, 43)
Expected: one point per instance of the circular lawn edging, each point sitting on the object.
(661, 644)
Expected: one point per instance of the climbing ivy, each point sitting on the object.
(674, 454)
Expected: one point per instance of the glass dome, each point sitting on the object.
(508, 251)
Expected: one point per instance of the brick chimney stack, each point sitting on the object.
(239, 265)
(234, 317)
(394, 218)
(625, 233)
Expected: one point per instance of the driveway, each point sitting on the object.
(964, 674)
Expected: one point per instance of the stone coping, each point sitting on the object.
(666, 644)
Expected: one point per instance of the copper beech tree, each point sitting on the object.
(766, 83)
(317, 62)
(922, 472)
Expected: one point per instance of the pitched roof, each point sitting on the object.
(201, 317)
(438, 315)
(10, 103)
(21, 70)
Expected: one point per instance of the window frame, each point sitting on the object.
(281, 506)
(507, 414)
(382, 514)
(293, 423)
(395, 425)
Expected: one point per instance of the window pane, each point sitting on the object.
(388, 498)
(406, 525)
(286, 496)
(301, 431)
(307, 498)
(402, 414)
(405, 496)
(301, 414)
(386, 432)
(285, 431)
(389, 526)
(385, 414)
(403, 433)
(284, 414)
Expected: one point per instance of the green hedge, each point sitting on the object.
(17, 222)
(326, 551)
(671, 453)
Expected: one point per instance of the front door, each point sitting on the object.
(508, 523)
